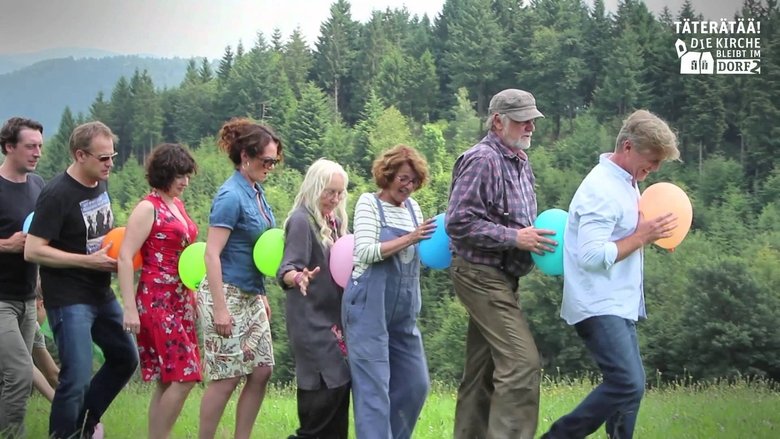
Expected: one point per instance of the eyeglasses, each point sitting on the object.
(269, 162)
(101, 158)
(405, 179)
(331, 193)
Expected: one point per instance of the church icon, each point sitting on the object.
(694, 63)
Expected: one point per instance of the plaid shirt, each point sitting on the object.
(475, 215)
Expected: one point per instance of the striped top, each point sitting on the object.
(366, 229)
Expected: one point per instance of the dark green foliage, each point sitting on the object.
(713, 304)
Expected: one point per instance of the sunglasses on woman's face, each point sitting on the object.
(269, 162)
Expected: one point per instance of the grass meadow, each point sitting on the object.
(740, 410)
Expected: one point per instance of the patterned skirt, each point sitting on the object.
(249, 344)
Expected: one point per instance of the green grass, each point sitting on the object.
(742, 409)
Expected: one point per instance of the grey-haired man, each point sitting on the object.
(490, 219)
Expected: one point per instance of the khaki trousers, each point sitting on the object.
(498, 397)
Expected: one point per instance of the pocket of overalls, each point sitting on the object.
(354, 301)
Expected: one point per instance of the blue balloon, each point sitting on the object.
(435, 251)
(551, 263)
(27, 222)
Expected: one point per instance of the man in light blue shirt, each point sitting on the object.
(602, 262)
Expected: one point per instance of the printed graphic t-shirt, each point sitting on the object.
(74, 218)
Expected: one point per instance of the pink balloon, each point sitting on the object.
(341, 259)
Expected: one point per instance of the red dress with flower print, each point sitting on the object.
(167, 341)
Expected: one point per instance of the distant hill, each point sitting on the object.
(17, 61)
(42, 90)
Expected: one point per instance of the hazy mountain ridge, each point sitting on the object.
(42, 90)
(16, 61)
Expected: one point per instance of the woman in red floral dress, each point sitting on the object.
(162, 312)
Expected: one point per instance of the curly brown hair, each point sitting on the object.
(166, 162)
(387, 164)
(242, 134)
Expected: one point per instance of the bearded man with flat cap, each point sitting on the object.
(492, 208)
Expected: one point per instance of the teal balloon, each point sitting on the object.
(435, 251)
(268, 251)
(192, 265)
(27, 222)
(551, 263)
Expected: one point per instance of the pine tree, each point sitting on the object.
(276, 40)
(620, 89)
(225, 65)
(306, 132)
(391, 78)
(465, 128)
(100, 109)
(473, 49)
(297, 61)
(555, 67)
(120, 119)
(368, 120)
(422, 87)
(391, 128)
(191, 76)
(146, 114)
(336, 52)
(56, 152)
(205, 74)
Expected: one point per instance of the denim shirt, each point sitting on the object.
(235, 208)
(604, 210)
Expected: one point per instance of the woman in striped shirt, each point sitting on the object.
(382, 300)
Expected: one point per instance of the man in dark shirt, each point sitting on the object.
(490, 218)
(76, 283)
(21, 141)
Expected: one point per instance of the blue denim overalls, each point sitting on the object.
(389, 372)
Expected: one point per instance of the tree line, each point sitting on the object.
(400, 78)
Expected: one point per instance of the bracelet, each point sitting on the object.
(297, 278)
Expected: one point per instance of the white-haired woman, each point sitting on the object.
(313, 303)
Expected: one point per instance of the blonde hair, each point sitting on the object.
(82, 135)
(317, 178)
(648, 132)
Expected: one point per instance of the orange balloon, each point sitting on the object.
(662, 198)
(115, 237)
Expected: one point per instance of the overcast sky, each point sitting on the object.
(188, 28)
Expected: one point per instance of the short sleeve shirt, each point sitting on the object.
(241, 208)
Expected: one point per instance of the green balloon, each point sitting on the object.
(268, 251)
(192, 265)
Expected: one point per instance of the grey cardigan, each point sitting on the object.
(314, 320)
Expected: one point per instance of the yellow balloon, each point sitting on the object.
(662, 198)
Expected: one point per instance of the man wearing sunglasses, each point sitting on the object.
(72, 215)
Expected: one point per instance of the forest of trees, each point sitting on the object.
(713, 304)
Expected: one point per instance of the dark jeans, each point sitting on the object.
(612, 343)
(81, 399)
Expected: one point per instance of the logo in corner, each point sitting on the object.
(725, 47)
